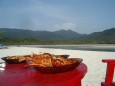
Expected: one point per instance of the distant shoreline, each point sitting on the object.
(88, 47)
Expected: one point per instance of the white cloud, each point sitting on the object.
(66, 26)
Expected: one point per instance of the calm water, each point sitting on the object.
(108, 48)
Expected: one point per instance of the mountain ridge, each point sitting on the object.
(107, 36)
(44, 35)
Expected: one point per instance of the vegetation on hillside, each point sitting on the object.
(104, 37)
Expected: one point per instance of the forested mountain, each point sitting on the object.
(69, 34)
(106, 36)
(44, 35)
(19, 36)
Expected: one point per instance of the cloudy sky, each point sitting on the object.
(83, 16)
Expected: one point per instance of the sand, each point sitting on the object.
(93, 60)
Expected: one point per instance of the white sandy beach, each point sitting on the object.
(93, 60)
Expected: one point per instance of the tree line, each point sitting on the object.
(34, 41)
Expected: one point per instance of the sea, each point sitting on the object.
(92, 47)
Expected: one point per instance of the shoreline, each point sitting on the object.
(93, 60)
(96, 47)
(72, 45)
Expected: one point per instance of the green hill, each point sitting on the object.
(43, 35)
(106, 36)
(19, 36)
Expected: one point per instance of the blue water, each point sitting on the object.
(108, 48)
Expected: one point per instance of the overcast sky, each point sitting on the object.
(83, 16)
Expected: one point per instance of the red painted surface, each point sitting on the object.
(113, 84)
(18, 75)
(109, 72)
